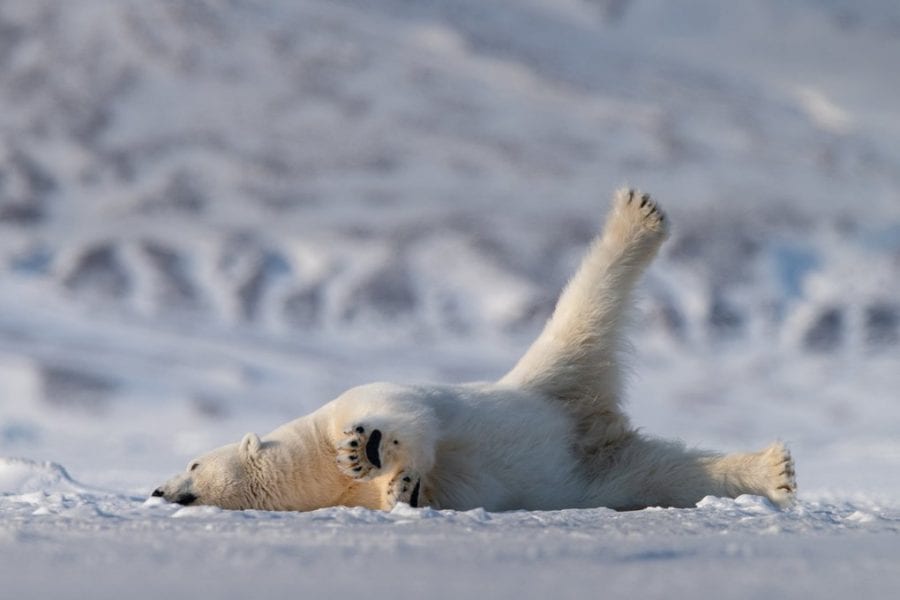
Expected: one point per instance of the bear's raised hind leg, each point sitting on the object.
(576, 359)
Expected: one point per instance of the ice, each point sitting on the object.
(214, 217)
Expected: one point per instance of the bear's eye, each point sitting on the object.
(193, 467)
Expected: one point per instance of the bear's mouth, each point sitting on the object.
(186, 499)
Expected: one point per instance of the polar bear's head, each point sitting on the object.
(229, 477)
(289, 469)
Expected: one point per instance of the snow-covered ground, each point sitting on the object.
(217, 215)
(70, 541)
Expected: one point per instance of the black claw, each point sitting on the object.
(360, 429)
(357, 469)
(644, 199)
(354, 444)
(158, 493)
(353, 457)
(630, 196)
(372, 448)
(407, 479)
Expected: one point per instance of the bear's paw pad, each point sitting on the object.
(405, 487)
(359, 453)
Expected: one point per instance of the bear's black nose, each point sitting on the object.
(185, 499)
(157, 493)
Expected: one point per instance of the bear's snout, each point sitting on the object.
(182, 497)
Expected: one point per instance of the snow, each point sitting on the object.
(112, 544)
(115, 545)
(214, 217)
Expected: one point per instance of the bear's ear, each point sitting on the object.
(249, 447)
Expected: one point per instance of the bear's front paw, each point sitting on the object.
(405, 487)
(359, 454)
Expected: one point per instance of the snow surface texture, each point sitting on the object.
(217, 215)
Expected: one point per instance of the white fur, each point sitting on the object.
(550, 434)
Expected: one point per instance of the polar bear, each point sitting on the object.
(550, 434)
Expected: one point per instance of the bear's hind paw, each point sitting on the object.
(642, 211)
(783, 479)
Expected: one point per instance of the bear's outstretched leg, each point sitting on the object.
(576, 359)
(651, 472)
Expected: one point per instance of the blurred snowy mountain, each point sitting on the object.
(211, 200)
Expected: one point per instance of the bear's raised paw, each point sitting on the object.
(639, 212)
(359, 453)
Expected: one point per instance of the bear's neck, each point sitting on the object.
(316, 481)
